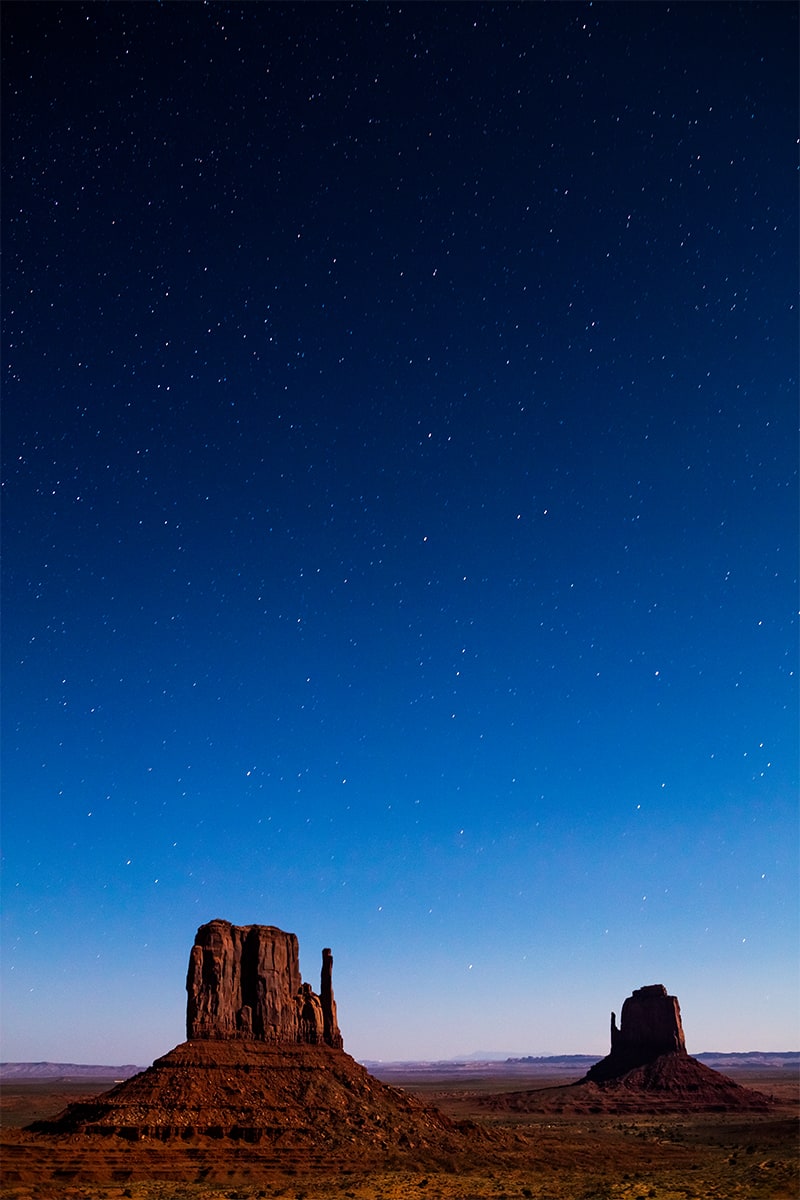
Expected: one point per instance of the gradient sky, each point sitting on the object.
(400, 517)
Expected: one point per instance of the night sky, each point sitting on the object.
(400, 516)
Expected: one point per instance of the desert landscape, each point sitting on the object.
(546, 1156)
(400, 491)
(263, 1101)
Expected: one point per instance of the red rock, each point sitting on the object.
(264, 1063)
(672, 1083)
(244, 983)
(294, 1098)
(649, 1027)
(648, 1070)
(330, 1028)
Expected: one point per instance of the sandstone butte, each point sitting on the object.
(264, 1063)
(648, 1069)
(650, 1026)
(244, 984)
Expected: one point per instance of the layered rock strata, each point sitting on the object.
(294, 1099)
(244, 983)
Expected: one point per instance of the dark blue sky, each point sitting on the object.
(400, 517)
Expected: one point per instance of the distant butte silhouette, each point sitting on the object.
(648, 1061)
(647, 1070)
(650, 1025)
(264, 1063)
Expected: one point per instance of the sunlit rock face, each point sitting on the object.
(650, 1025)
(244, 983)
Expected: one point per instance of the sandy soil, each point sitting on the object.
(544, 1156)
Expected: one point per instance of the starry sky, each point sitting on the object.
(400, 516)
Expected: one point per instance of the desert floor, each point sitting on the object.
(594, 1156)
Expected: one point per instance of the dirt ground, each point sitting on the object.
(679, 1156)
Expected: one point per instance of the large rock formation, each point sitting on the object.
(244, 983)
(264, 1064)
(650, 1025)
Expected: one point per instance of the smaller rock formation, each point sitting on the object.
(244, 984)
(650, 1025)
(648, 1070)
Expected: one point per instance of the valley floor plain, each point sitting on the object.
(538, 1156)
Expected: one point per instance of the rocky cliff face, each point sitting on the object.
(244, 983)
(650, 1026)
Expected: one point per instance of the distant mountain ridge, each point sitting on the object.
(582, 1062)
(747, 1058)
(52, 1070)
(740, 1058)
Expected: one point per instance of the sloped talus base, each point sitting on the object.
(297, 1097)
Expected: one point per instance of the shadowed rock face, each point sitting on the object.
(649, 1027)
(244, 983)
